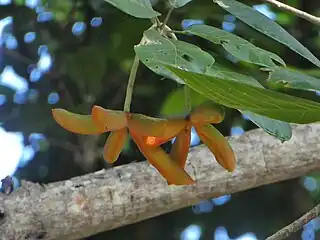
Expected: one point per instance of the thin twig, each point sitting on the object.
(130, 85)
(297, 12)
(296, 225)
(187, 98)
(166, 19)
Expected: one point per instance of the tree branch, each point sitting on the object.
(297, 12)
(123, 195)
(296, 225)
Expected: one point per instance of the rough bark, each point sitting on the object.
(123, 195)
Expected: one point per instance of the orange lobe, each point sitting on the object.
(207, 113)
(76, 123)
(162, 129)
(168, 168)
(218, 145)
(110, 120)
(114, 145)
(181, 145)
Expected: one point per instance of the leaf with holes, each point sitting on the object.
(178, 3)
(236, 46)
(241, 96)
(136, 8)
(158, 49)
(265, 25)
(289, 78)
(174, 103)
(219, 71)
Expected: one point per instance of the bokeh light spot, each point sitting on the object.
(28, 155)
(192, 232)
(3, 99)
(53, 98)
(35, 75)
(221, 200)
(236, 131)
(189, 22)
(78, 28)
(96, 21)
(29, 37)
(310, 183)
(11, 151)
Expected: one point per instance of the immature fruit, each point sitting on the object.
(114, 145)
(162, 129)
(207, 113)
(168, 168)
(218, 145)
(181, 145)
(110, 120)
(76, 123)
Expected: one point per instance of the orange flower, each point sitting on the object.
(201, 119)
(142, 129)
(149, 133)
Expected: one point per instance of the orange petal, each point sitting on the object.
(109, 119)
(218, 145)
(77, 123)
(208, 112)
(168, 168)
(114, 145)
(163, 129)
(181, 145)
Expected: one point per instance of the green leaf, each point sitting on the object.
(246, 97)
(175, 105)
(136, 8)
(158, 49)
(279, 129)
(293, 79)
(86, 72)
(175, 102)
(178, 3)
(266, 26)
(236, 46)
(222, 72)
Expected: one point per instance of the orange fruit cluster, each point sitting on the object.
(149, 133)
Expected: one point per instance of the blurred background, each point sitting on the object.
(75, 53)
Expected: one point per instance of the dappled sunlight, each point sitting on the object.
(10, 79)
(11, 152)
